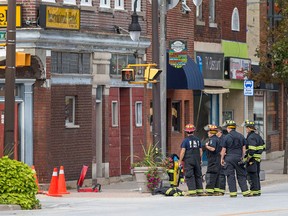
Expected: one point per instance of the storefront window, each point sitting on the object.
(258, 111)
(272, 107)
(176, 116)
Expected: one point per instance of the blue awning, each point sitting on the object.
(187, 77)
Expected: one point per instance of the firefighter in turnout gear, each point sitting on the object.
(221, 183)
(254, 148)
(232, 155)
(213, 149)
(191, 154)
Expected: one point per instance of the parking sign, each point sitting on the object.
(248, 87)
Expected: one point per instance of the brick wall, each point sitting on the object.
(223, 16)
(71, 147)
(42, 132)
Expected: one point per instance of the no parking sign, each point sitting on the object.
(248, 87)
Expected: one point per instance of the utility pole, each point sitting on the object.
(156, 87)
(163, 79)
(9, 110)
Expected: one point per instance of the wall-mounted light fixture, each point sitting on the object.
(134, 28)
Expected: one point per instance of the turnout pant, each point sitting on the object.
(193, 176)
(232, 166)
(253, 169)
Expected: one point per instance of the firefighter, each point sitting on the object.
(255, 146)
(213, 149)
(221, 183)
(232, 155)
(191, 154)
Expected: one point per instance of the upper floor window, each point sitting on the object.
(70, 2)
(119, 4)
(118, 62)
(105, 3)
(199, 12)
(138, 8)
(212, 11)
(86, 2)
(70, 63)
(235, 22)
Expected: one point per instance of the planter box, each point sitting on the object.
(141, 178)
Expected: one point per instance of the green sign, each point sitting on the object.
(3, 35)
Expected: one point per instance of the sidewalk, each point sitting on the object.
(273, 170)
(127, 186)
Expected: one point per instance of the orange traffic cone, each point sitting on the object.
(53, 189)
(36, 179)
(61, 182)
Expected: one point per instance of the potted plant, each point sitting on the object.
(150, 171)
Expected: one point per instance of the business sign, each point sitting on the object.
(248, 87)
(211, 64)
(59, 17)
(178, 53)
(4, 16)
(237, 67)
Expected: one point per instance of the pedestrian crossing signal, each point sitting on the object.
(128, 74)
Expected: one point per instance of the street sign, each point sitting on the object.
(248, 87)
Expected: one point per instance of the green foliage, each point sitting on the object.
(151, 157)
(18, 184)
(273, 50)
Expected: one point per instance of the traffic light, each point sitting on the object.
(23, 59)
(151, 74)
(128, 74)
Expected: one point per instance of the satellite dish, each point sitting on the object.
(197, 2)
(169, 3)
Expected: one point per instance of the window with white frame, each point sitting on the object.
(138, 113)
(70, 107)
(235, 23)
(86, 2)
(105, 3)
(138, 7)
(69, 2)
(119, 4)
(212, 11)
(114, 113)
(199, 12)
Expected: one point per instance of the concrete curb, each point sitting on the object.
(9, 207)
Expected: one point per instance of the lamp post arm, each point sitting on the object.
(135, 6)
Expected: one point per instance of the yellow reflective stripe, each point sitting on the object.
(199, 190)
(192, 192)
(252, 147)
(246, 192)
(210, 190)
(233, 193)
(257, 155)
(168, 191)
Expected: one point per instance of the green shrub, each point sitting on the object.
(17, 184)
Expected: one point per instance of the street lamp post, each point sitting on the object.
(9, 110)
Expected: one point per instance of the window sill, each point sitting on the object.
(88, 8)
(213, 25)
(72, 126)
(200, 23)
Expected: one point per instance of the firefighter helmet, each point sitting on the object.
(211, 128)
(189, 128)
(248, 123)
(229, 124)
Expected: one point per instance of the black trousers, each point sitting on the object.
(193, 174)
(231, 167)
(212, 174)
(253, 169)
